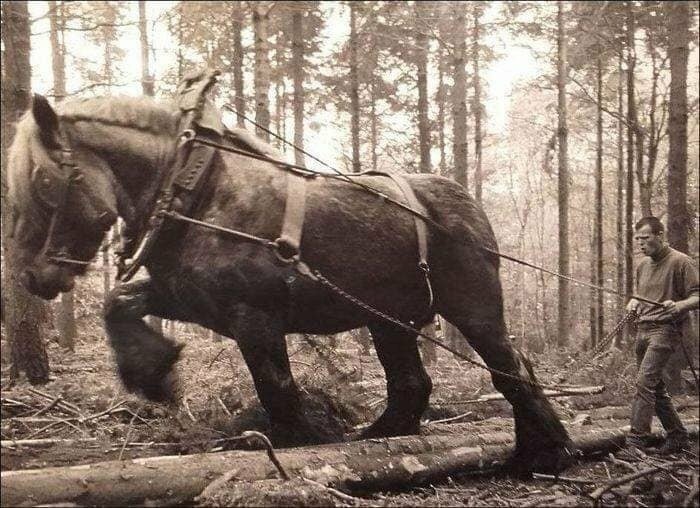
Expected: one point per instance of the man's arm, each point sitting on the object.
(688, 275)
(675, 309)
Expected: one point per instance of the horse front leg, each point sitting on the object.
(261, 339)
(144, 357)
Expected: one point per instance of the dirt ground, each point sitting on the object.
(85, 402)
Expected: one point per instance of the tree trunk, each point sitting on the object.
(563, 187)
(374, 130)
(600, 312)
(679, 223)
(629, 190)
(24, 314)
(440, 99)
(65, 316)
(280, 110)
(362, 466)
(424, 142)
(354, 91)
(592, 294)
(619, 237)
(147, 83)
(237, 15)
(261, 20)
(478, 177)
(298, 70)
(58, 63)
(459, 97)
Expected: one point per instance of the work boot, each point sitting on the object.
(674, 444)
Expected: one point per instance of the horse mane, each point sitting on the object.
(141, 113)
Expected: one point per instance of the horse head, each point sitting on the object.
(62, 200)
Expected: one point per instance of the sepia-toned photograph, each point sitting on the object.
(350, 253)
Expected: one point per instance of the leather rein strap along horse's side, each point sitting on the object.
(180, 185)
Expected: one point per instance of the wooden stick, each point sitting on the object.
(42, 443)
(596, 494)
(569, 392)
(48, 406)
(335, 492)
(454, 418)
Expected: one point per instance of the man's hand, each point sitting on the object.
(673, 309)
(632, 305)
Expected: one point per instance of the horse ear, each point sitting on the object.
(47, 120)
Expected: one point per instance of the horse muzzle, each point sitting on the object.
(47, 282)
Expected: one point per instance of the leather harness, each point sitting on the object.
(200, 125)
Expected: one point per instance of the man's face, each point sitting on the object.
(648, 242)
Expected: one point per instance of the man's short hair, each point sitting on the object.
(653, 222)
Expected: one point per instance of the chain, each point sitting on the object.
(323, 280)
(627, 318)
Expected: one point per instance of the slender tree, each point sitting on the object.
(679, 223)
(298, 75)
(620, 184)
(147, 85)
(24, 314)
(421, 59)
(563, 186)
(261, 20)
(631, 115)
(65, 317)
(237, 18)
(459, 96)
(478, 106)
(146, 77)
(440, 98)
(599, 279)
(354, 90)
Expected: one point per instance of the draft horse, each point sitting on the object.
(121, 147)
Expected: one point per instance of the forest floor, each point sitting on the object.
(85, 402)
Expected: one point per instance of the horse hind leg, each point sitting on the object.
(144, 357)
(542, 443)
(408, 384)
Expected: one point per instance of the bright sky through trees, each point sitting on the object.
(513, 64)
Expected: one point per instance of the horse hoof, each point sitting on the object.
(552, 460)
(381, 428)
(152, 375)
(290, 436)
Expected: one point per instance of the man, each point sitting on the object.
(669, 277)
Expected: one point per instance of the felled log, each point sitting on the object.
(379, 464)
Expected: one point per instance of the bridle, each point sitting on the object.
(53, 192)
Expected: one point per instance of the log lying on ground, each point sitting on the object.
(365, 466)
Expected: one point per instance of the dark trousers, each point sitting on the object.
(654, 346)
